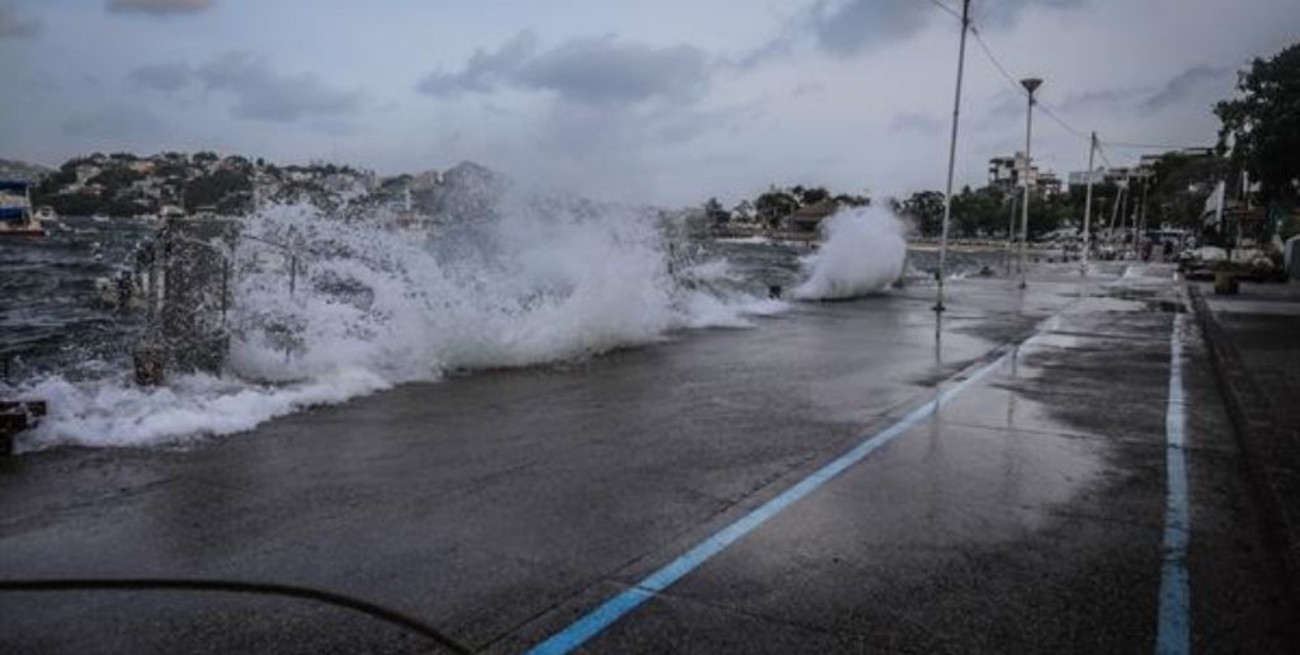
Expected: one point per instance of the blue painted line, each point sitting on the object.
(1173, 634)
(615, 608)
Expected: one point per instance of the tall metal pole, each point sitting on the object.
(1087, 210)
(1114, 209)
(1011, 230)
(1123, 212)
(1141, 215)
(1031, 85)
(952, 157)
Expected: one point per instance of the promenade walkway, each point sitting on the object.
(1057, 472)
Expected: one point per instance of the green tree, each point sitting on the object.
(977, 213)
(82, 203)
(743, 211)
(774, 205)
(715, 213)
(853, 200)
(1047, 214)
(115, 178)
(229, 191)
(1178, 191)
(812, 195)
(925, 209)
(1262, 124)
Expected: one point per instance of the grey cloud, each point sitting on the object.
(586, 131)
(1005, 110)
(848, 27)
(807, 89)
(340, 127)
(263, 94)
(604, 71)
(1003, 14)
(844, 28)
(14, 25)
(484, 70)
(109, 121)
(1184, 86)
(609, 97)
(597, 71)
(159, 7)
(672, 127)
(914, 122)
(779, 47)
(793, 29)
(162, 77)
(1099, 99)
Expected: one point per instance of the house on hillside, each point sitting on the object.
(809, 218)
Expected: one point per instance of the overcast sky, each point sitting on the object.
(670, 101)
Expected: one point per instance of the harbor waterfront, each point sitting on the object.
(802, 327)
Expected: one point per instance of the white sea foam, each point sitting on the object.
(372, 308)
(864, 252)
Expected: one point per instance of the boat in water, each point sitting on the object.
(16, 218)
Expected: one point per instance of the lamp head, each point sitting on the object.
(1031, 84)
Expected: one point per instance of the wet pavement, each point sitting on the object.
(1025, 514)
(1255, 349)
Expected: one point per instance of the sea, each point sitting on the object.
(326, 310)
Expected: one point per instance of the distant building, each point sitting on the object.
(1079, 179)
(1117, 176)
(1146, 168)
(810, 217)
(1011, 173)
(1048, 183)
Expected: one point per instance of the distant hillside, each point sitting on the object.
(20, 170)
(124, 184)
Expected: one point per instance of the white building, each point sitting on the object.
(1009, 173)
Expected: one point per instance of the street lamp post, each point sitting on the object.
(952, 159)
(1031, 85)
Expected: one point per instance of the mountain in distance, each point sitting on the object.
(12, 169)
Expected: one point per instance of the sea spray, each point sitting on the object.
(329, 309)
(864, 252)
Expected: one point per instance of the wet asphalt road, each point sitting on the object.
(1025, 515)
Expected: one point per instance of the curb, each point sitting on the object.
(1273, 462)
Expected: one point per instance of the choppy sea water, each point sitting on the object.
(49, 316)
(374, 308)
